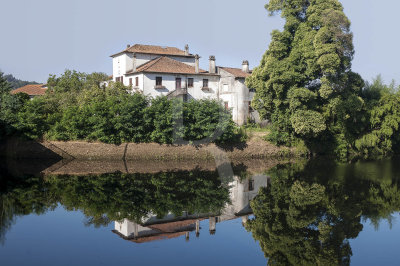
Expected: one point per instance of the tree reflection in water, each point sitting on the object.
(310, 211)
(305, 216)
(108, 197)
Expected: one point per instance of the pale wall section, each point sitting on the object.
(169, 83)
(234, 92)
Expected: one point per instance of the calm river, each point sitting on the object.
(304, 213)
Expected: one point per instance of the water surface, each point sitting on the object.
(304, 213)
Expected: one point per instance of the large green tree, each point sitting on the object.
(304, 83)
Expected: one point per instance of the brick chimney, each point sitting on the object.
(245, 66)
(186, 49)
(212, 64)
(197, 63)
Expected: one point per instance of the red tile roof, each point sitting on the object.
(237, 72)
(31, 90)
(154, 49)
(167, 65)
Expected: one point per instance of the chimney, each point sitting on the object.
(134, 62)
(127, 46)
(196, 65)
(212, 64)
(186, 49)
(212, 227)
(245, 66)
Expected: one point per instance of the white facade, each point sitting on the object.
(227, 87)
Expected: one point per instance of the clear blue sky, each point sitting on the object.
(45, 37)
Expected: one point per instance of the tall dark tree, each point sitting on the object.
(304, 83)
(5, 87)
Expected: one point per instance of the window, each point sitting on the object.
(226, 105)
(137, 82)
(205, 83)
(117, 79)
(159, 81)
(130, 81)
(122, 79)
(178, 83)
(190, 82)
(251, 185)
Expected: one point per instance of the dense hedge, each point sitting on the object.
(77, 108)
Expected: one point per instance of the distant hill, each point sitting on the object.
(17, 83)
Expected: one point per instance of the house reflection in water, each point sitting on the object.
(171, 226)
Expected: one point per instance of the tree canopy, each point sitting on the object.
(76, 107)
(304, 83)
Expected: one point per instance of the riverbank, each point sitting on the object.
(254, 148)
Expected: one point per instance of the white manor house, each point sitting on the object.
(172, 72)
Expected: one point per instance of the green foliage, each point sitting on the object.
(174, 121)
(34, 118)
(10, 105)
(384, 138)
(304, 83)
(308, 123)
(208, 119)
(5, 86)
(109, 197)
(308, 212)
(160, 116)
(76, 108)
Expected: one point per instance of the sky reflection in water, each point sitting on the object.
(150, 219)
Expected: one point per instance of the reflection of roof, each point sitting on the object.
(154, 49)
(237, 72)
(153, 237)
(167, 65)
(31, 89)
(174, 226)
(158, 237)
(164, 231)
